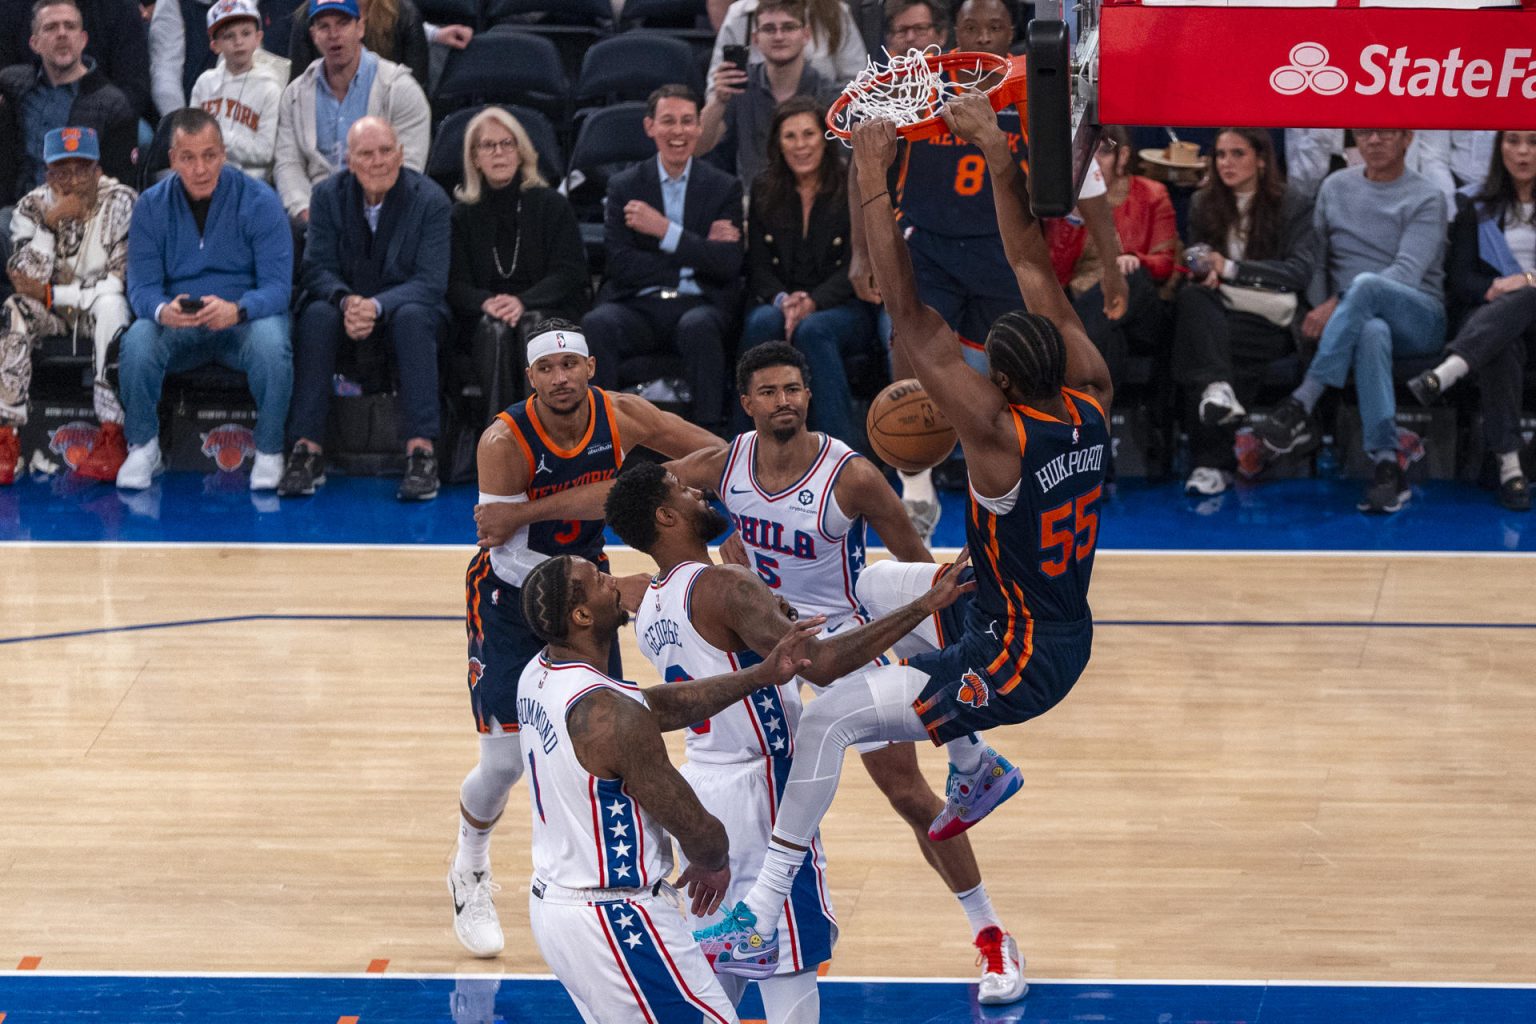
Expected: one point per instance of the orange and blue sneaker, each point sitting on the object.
(969, 798)
(733, 945)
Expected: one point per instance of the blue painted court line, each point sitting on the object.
(1099, 623)
(32, 998)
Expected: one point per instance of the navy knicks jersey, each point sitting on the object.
(942, 185)
(1034, 560)
(594, 458)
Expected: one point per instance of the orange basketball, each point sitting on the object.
(907, 430)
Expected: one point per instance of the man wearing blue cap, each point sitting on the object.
(71, 247)
(319, 107)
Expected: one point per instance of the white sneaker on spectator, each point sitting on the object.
(474, 912)
(1207, 481)
(266, 471)
(141, 467)
(1219, 405)
(924, 516)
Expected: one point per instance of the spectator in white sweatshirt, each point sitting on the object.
(242, 97)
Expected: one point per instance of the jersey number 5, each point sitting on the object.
(569, 530)
(1069, 531)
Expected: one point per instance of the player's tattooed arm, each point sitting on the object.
(677, 705)
(616, 737)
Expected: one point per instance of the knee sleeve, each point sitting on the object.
(485, 789)
(885, 586)
(791, 998)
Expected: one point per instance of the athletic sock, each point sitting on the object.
(917, 486)
(1452, 370)
(1509, 466)
(474, 848)
(978, 909)
(774, 881)
(965, 753)
(1308, 392)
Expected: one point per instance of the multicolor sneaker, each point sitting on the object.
(1002, 969)
(969, 798)
(733, 946)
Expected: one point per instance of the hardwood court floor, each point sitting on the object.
(1226, 798)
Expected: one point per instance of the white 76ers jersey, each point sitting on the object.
(757, 726)
(798, 539)
(588, 833)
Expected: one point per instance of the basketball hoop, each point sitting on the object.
(912, 89)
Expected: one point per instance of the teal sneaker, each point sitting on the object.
(733, 946)
(969, 798)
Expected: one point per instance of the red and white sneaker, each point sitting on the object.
(1002, 968)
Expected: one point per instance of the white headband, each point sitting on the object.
(552, 342)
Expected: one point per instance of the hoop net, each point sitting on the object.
(908, 90)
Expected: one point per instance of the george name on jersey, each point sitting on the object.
(770, 536)
(531, 715)
(1080, 460)
(661, 634)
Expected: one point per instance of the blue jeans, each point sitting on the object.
(824, 338)
(1375, 320)
(259, 348)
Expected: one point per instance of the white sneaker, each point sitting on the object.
(474, 912)
(1207, 481)
(1002, 969)
(1219, 405)
(266, 471)
(141, 467)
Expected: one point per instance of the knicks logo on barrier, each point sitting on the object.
(73, 442)
(973, 690)
(229, 445)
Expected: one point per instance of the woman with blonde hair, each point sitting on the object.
(517, 255)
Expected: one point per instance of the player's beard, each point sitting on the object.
(710, 523)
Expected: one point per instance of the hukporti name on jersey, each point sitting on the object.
(1068, 464)
(770, 536)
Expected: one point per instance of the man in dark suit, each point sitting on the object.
(673, 239)
(375, 272)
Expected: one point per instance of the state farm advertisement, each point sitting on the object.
(1317, 68)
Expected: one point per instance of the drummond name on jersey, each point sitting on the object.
(531, 715)
(1081, 460)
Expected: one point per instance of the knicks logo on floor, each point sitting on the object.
(973, 690)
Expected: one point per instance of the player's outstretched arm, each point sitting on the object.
(972, 118)
(642, 424)
(615, 737)
(971, 402)
(678, 705)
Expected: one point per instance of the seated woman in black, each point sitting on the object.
(797, 262)
(1490, 284)
(1240, 309)
(517, 253)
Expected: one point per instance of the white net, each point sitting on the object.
(905, 89)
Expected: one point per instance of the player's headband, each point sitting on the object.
(555, 342)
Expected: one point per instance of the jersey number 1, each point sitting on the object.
(1069, 531)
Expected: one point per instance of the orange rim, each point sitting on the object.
(1005, 91)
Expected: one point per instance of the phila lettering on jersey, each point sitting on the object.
(761, 725)
(798, 539)
(551, 469)
(588, 833)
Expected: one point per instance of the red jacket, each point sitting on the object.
(1145, 222)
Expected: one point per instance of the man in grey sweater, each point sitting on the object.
(1377, 294)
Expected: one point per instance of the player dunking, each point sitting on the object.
(800, 502)
(605, 800)
(1035, 433)
(534, 463)
(699, 619)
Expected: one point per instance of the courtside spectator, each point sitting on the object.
(320, 106)
(517, 253)
(672, 232)
(179, 53)
(1251, 261)
(61, 87)
(70, 247)
(210, 268)
(116, 38)
(797, 263)
(735, 120)
(1491, 284)
(375, 270)
(836, 49)
(394, 32)
(1378, 293)
(240, 96)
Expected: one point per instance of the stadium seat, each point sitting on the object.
(445, 160)
(155, 162)
(504, 67)
(631, 65)
(572, 25)
(687, 20)
(611, 139)
(453, 12)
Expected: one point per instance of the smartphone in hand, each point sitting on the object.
(189, 305)
(734, 54)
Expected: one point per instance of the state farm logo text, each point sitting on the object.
(1396, 73)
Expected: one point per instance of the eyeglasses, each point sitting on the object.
(784, 29)
(1380, 133)
(497, 146)
(70, 170)
(922, 28)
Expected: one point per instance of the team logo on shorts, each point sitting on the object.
(228, 446)
(973, 690)
(476, 671)
(73, 441)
